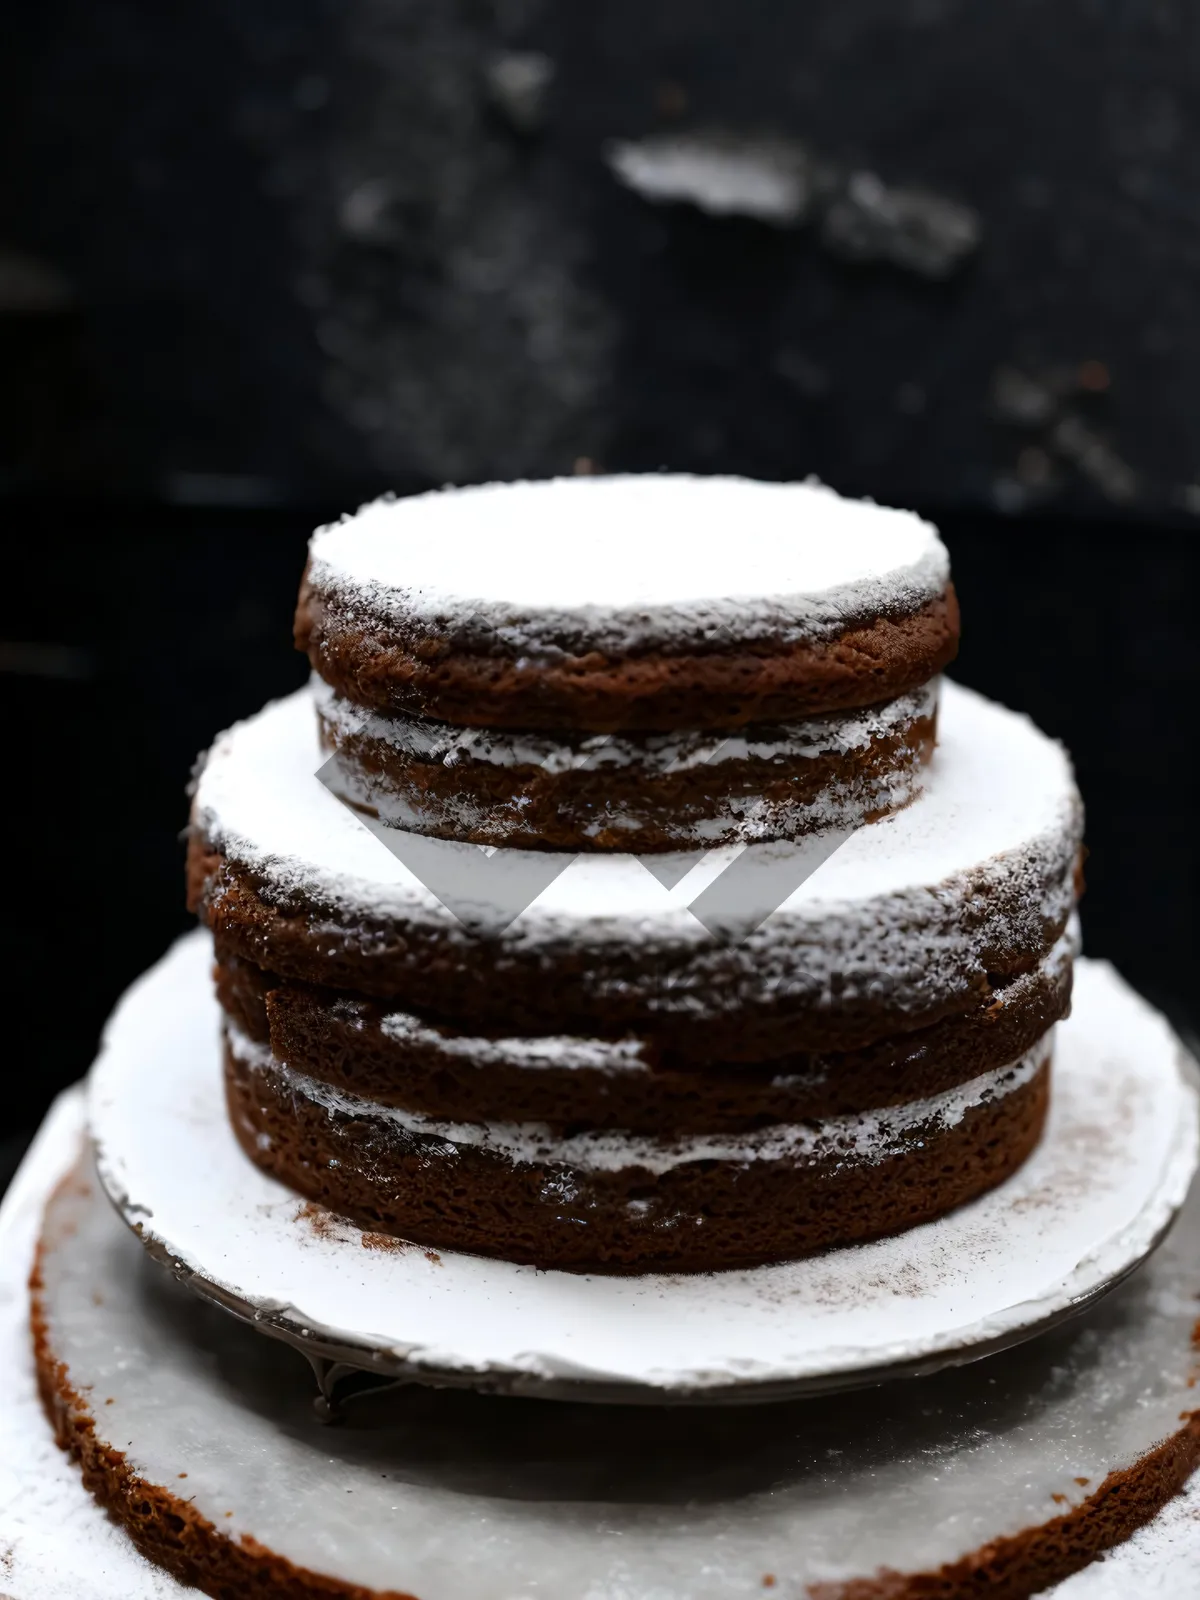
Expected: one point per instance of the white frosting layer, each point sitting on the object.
(871, 1136)
(436, 742)
(983, 857)
(752, 819)
(626, 562)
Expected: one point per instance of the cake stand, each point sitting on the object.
(1096, 1198)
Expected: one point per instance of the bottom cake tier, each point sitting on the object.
(616, 1201)
(1108, 1174)
(591, 1154)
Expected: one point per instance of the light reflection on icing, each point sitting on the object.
(535, 565)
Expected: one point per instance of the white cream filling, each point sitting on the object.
(656, 753)
(750, 819)
(869, 1137)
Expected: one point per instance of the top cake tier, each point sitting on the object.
(649, 603)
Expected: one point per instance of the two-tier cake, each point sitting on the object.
(641, 982)
(836, 1024)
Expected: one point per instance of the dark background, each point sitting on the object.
(259, 261)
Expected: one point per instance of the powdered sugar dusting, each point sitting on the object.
(619, 563)
(462, 1505)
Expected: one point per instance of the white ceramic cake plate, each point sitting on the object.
(1096, 1197)
(455, 1495)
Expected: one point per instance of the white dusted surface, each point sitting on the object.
(1114, 1165)
(629, 561)
(55, 1542)
(455, 1496)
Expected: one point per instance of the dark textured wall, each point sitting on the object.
(251, 249)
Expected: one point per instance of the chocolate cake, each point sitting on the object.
(754, 970)
(628, 894)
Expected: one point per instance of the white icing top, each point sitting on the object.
(999, 804)
(627, 561)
